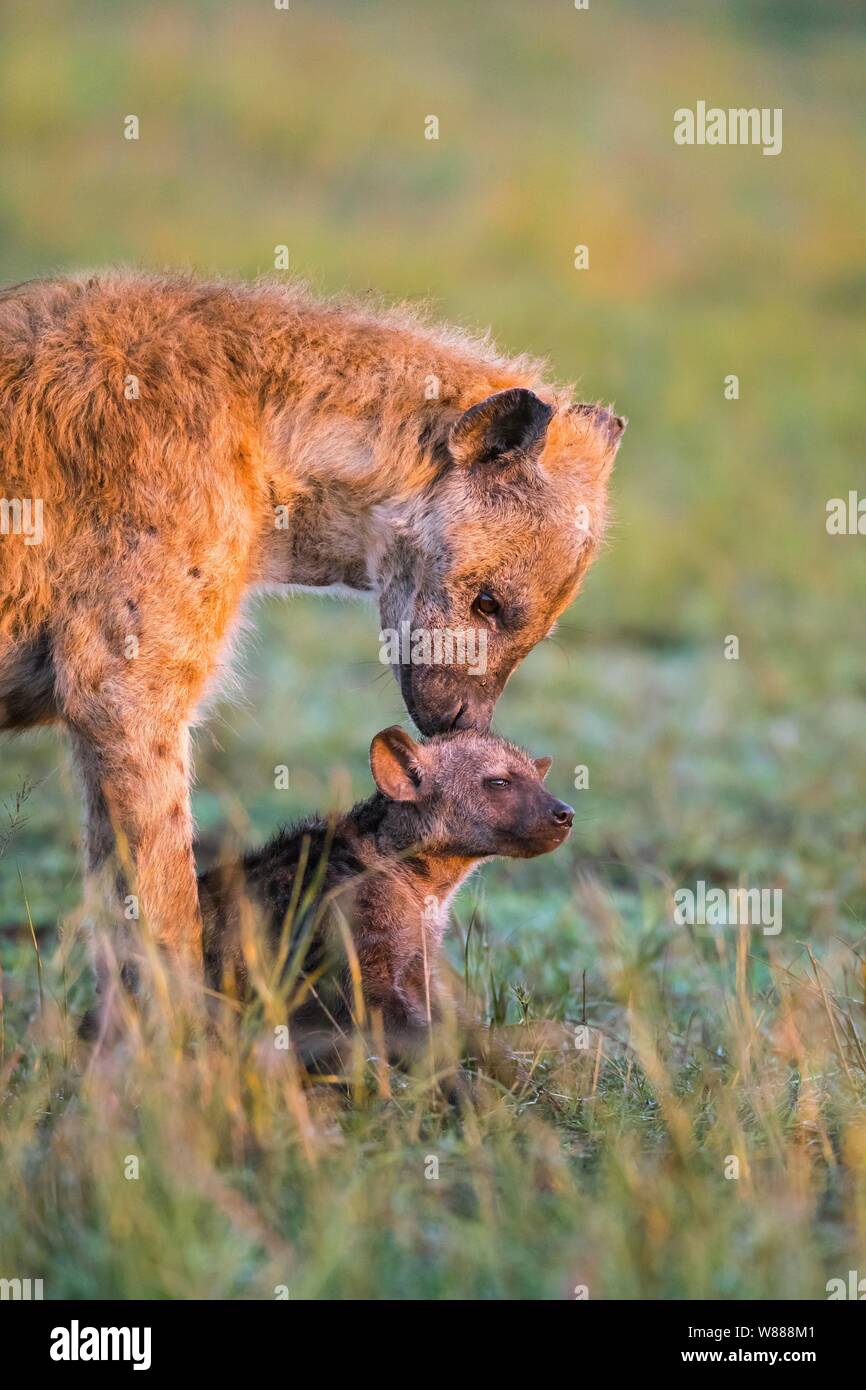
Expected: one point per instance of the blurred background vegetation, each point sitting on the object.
(305, 127)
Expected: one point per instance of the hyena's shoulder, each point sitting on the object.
(329, 854)
(103, 330)
(327, 859)
(127, 410)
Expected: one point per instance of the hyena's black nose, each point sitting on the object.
(562, 813)
(472, 716)
(462, 719)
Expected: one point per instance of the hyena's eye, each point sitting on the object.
(485, 603)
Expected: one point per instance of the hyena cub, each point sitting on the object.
(385, 873)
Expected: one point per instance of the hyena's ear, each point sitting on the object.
(395, 762)
(611, 427)
(543, 766)
(500, 428)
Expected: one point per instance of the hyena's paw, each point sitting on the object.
(109, 1020)
(160, 996)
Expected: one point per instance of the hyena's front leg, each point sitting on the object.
(108, 906)
(138, 843)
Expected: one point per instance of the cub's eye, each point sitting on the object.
(497, 782)
(486, 604)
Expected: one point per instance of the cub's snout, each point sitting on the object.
(558, 818)
(542, 824)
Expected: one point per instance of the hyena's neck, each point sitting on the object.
(337, 519)
(392, 880)
(357, 412)
(435, 881)
(319, 540)
(430, 880)
(441, 875)
(387, 834)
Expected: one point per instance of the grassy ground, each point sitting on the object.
(704, 1046)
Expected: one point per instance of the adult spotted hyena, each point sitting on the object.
(185, 444)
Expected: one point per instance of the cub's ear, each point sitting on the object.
(395, 762)
(499, 427)
(542, 766)
(610, 426)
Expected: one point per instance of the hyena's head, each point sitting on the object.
(500, 543)
(468, 795)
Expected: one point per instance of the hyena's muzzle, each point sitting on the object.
(441, 698)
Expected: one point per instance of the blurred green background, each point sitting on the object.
(305, 127)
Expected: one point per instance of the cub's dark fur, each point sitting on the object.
(376, 883)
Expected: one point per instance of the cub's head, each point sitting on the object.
(468, 795)
(502, 539)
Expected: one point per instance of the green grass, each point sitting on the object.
(260, 128)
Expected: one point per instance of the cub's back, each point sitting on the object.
(265, 884)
